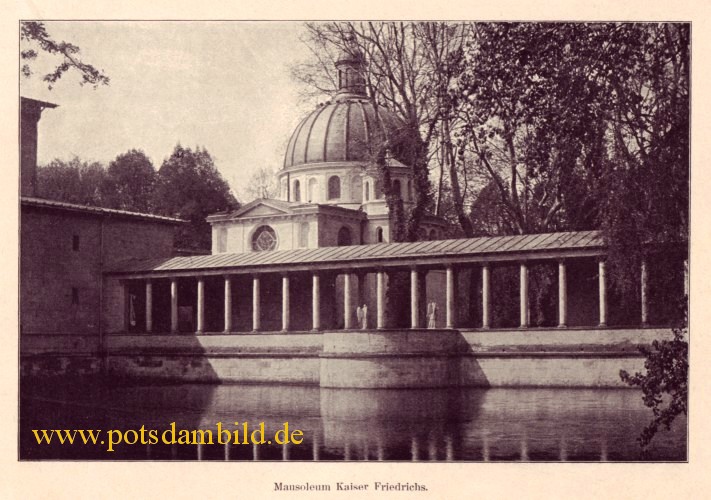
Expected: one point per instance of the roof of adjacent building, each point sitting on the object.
(545, 245)
(36, 102)
(92, 210)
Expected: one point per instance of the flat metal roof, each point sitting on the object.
(61, 205)
(548, 245)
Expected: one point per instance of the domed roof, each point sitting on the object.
(341, 130)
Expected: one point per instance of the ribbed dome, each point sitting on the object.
(340, 130)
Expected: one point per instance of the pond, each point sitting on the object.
(499, 424)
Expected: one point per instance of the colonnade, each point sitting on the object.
(417, 275)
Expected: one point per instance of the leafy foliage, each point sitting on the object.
(75, 181)
(130, 181)
(35, 33)
(665, 385)
(190, 187)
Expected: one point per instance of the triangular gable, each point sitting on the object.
(263, 208)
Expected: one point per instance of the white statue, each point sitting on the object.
(359, 316)
(365, 317)
(432, 315)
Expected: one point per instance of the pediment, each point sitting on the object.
(263, 208)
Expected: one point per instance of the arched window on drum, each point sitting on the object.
(345, 237)
(378, 234)
(367, 191)
(334, 187)
(297, 191)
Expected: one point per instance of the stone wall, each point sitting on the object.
(61, 256)
(357, 358)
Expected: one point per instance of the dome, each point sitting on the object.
(341, 130)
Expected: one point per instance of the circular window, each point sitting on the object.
(264, 239)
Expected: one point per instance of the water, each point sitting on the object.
(337, 424)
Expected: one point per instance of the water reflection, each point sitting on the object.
(345, 424)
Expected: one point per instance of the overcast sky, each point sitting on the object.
(222, 85)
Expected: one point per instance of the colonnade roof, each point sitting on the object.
(368, 257)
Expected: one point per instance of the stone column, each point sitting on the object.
(562, 295)
(200, 305)
(686, 277)
(523, 295)
(485, 299)
(174, 305)
(347, 302)
(380, 292)
(228, 304)
(285, 309)
(644, 284)
(451, 298)
(603, 292)
(316, 303)
(149, 306)
(256, 303)
(414, 299)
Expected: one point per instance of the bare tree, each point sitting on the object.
(409, 66)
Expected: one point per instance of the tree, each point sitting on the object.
(665, 385)
(75, 181)
(648, 161)
(531, 114)
(129, 183)
(261, 184)
(408, 66)
(190, 187)
(33, 34)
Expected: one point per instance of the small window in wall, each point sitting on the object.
(344, 237)
(264, 239)
(397, 188)
(334, 187)
(75, 296)
(433, 234)
(75, 242)
(378, 234)
(367, 191)
(297, 191)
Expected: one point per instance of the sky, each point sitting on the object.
(225, 86)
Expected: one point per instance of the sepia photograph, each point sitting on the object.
(340, 241)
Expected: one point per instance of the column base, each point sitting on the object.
(602, 325)
(562, 325)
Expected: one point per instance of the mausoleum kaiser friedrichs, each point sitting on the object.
(297, 289)
(331, 192)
